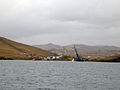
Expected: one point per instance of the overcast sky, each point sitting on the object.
(92, 22)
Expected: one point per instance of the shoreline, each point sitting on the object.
(55, 60)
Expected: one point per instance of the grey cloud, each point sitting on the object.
(61, 21)
(85, 9)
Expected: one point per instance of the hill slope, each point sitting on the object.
(48, 46)
(15, 50)
(110, 59)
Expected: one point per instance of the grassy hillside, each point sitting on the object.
(111, 59)
(115, 58)
(15, 50)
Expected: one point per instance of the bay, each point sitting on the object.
(58, 75)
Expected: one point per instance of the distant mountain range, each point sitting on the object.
(13, 50)
(84, 50)
(48, 46)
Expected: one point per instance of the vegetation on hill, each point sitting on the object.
(13, 50)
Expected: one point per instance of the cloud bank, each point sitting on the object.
(93, 22)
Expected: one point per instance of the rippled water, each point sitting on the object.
(45, 75)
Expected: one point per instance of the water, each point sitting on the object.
(45, 75)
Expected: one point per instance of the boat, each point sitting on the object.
(37, 58)
(73, 60)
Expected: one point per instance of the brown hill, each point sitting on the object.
(110, 59)
(13, 50)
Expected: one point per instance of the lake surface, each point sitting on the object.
(59, 75)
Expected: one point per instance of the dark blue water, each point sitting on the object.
(45, 75)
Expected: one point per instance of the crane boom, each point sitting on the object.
(77, 55)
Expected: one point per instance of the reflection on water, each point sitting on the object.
(45, 75)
